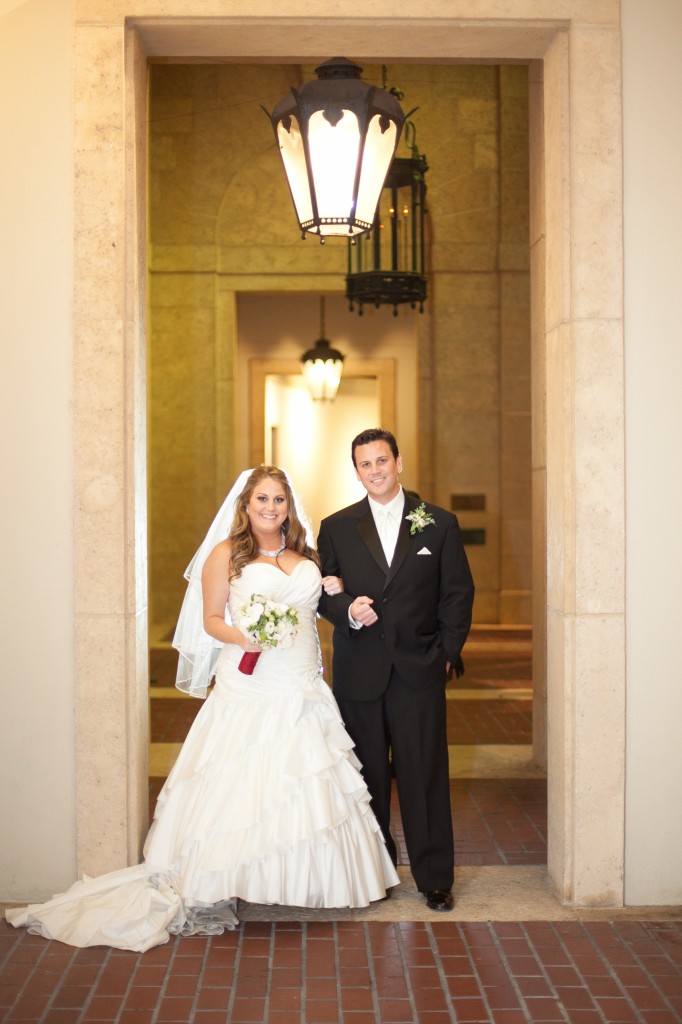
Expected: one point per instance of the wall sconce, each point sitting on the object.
(387, 267)
(336, 137)
(322, 366)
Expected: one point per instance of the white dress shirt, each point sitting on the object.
(387, 521)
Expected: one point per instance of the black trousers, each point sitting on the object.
(411, 724)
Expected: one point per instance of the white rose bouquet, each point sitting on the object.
(269, 624)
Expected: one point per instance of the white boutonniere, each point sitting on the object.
(419, 518)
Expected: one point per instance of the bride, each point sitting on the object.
(265, 802)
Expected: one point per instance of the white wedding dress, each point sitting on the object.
(265, 803)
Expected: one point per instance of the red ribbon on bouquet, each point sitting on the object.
(248, 662)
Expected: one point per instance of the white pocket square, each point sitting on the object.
(424, 551)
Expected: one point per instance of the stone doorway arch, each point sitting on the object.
(577, 345)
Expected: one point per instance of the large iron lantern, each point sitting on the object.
(336, 137)
(387, 266)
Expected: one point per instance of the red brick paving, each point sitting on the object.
(490, 721)
(469, 721)
(357, 973)
(376, 973)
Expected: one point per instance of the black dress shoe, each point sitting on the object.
(439, 899)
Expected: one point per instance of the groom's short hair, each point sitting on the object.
(374, 434)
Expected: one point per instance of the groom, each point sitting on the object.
(400, 622)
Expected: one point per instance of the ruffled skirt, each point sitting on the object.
(265, 803)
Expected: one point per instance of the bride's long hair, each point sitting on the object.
(244, 546)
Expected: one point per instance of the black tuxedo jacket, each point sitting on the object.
(423, 600)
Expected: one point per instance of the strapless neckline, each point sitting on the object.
(278, 569)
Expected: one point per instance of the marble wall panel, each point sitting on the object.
(102, 742)
(182, 258)
(528, 11)
(464, 256)
(600, 471)
(99, 176)
(561, 538)
(560, 740)
(100, 358)
(539, 616)
(182, 439)
(555, 213)
(293, 262)
(596, 178)
(599, 755)
(538, 367)
(536, 147)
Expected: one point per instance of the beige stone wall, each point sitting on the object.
(478, 391)
(221, 220)
(81, 677)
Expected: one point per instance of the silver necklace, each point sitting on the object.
(273, 554)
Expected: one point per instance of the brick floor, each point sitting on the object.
(447, 972)
(469, 721)
(357, 973)
(490, 721)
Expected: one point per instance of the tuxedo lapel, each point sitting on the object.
(368, 533)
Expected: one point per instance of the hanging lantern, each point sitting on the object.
(322, 366)
(387, 267)
(337, 137)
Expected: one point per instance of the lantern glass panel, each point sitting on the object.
(293, 158)
(323, 377)
(333, 159)
(396, 227)
(379, 149)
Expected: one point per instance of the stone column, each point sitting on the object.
(585, 460)
(109, 445)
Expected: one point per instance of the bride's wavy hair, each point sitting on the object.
(244, 546)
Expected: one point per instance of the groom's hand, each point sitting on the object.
(361, 610)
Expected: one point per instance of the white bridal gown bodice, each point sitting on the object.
(265, 803)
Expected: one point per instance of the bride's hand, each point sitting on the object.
(249, 645)
(332, 584)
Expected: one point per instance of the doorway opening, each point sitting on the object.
(453, 383)
(576, 136)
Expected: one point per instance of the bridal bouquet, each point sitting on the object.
(268, 623)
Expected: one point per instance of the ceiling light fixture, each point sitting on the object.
(322, 366)
(336, 137)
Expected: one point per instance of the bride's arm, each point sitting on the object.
(215, 587)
